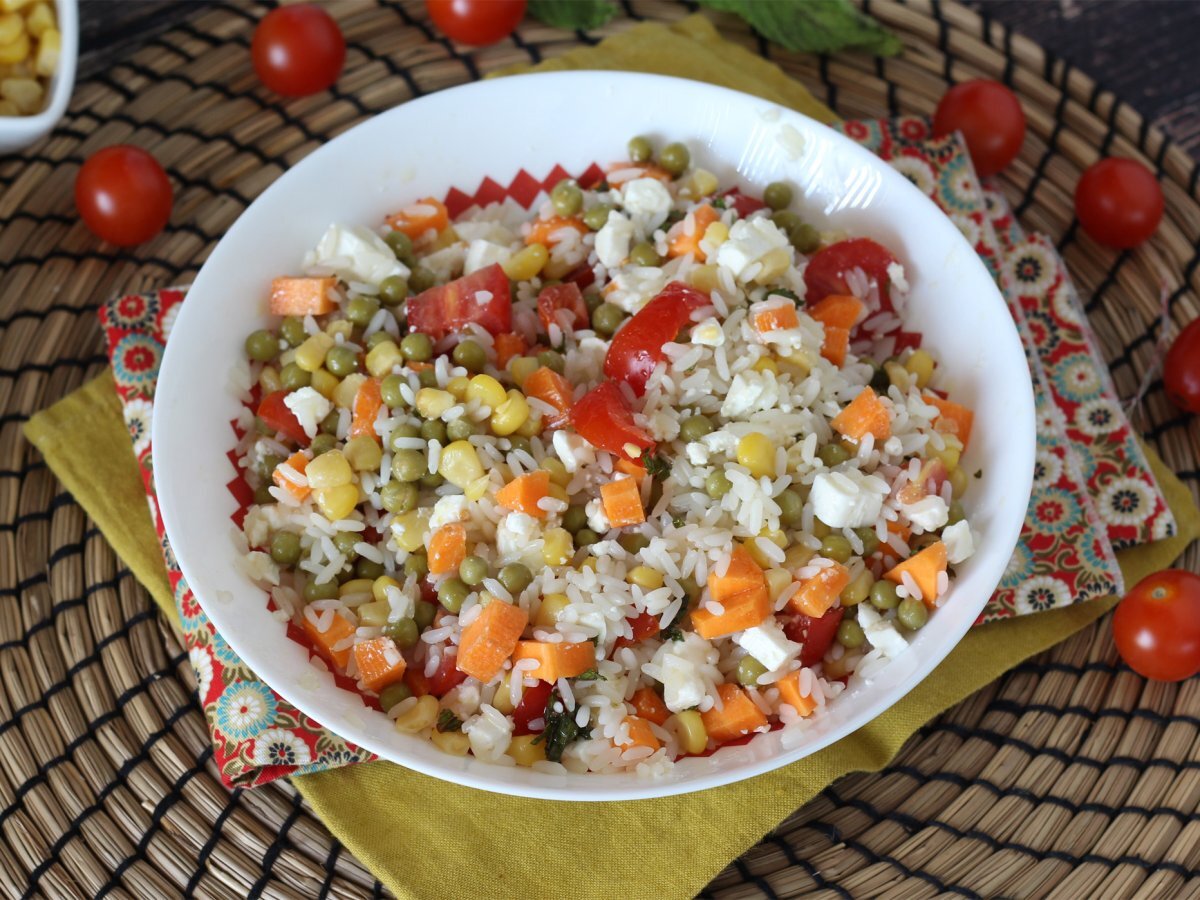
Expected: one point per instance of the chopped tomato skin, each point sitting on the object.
(644, 626)
(562, 296)
(743, 203)
(532, 706)
(483, 298)
(274, 412)
(816, 635)
(826, 271)
(638, 346)
(605, 419)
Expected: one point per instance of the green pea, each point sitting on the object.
(567, 198)
(632, 542)
(320, 590)
(640, 149)
(607, 318)
(322, 443)
(778, 195)
(292, 377)
(837, 548)
(431, 481)
(695, 427)
(690, 588)
(291, 329)
(575, 519)
(470, 356)
(674, 158)
(417, 347)
(262, 346)
(424, 613)
(285, 548)
(585, 537)
(748, 671)
(341, 361)
(717, 484)
(329, 424)
(394, 694)
(912, 613)
(421, 279)
(400, 243)
(401, 433)
(399, 496)
(262, 494)
(473, 570)
(409, 465)
(597, 215)
(644, 254)
(833, 455)
(884, 596)
(805, 238)
(921, 541)
(377, 338)
(434, 430)
(552, 359)
(452, 593)
(403, 632)
(368, 568)
(269, 464)
(393, 290)
(389, 391)
(785, 220)
(880, 380)
(361, 310)
(460, 429)
(859, 589)
(515, 577)
(956, 513)
(405, 430)
(870, 540)
(850, 634)
(520, 442)
(416, 566)
(427, 378)
(345, 541)
(592, 301)
(791, 508)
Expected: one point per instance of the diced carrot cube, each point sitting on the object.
(640, 734)
(738, 716)
(789, 693)
(379, 663)
(339, 629)
(955, 418)
(865, 414)
(368, 400)
(622, 500)
(838, 310)
(546, 231)
(636, 471)
(524, 492)
(508, 344)
(741, 591)
(776, 318)
(817, 594)
(924, 568)
(299, 462)
(650, 706)
(620, 173)
(548, 386)
(836, 344)
(687, 235)
(563, 660)
(447, 548)
(490, 639)
(741, 575)
(302, 296)
(417, 219)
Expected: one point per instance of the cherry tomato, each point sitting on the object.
(298, 50)
(278, 417)
(1119, 202)
(605, 419)
(826, 271)
(1181, 376)
(446, 676)
(123, 195)
(1157, 626)
(644, 626)
(638, 346)
(991, 121)
(532, 706)
(476, 22)
(446, 308)
(816, 635)
(743, 203)
(562, 296)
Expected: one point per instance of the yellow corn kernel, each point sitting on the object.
(526, 263)
(329, 470)
(324, 383)
(26, 93)
(802, 361)
(48, 51)
(558, 492)
(458, 387)
(551, 608)
(646, 578)
(337, 502)
(558, 547)
(416, 717)
(690, 730)
(383, 357)
(797, 556)
(8, 108)
(774, 263)
(510, 415)
(951, 453)
(380, 585)
(920, 366)
(766, 364)
(523, 749)
(558, 472)
(486, 391)
(502, 699)
(959, 482)
(310, 355)
(704, 278)
(589, 564)
(363, 453)
(521, 367)
(777, 582)
(432, 402)
(343, 327)
(453, 742)
(898, 375)
(409, 529)
(757, 554)
(459, 464)
(13, 5)
(557, 268)
(798, 373)
(347, 390)
(268, 379)
(820, 529)
(716, 234)
(38, 19)
(355, 586)
(756, 452)
(375, 614)
(444, 239)
(477, 488)
(15, 51)
(11, 27)
(531, 427)
(704, 182)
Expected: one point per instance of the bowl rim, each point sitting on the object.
(28, 129)
(1005, 527)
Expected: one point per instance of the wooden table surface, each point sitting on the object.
(1144, 50)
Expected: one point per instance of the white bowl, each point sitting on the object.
(454, 139)
(17, 132)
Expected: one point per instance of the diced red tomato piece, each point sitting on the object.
(277, 416)
(532, 706)
(605, 419)
(743, 203)
(446, 677)
(644, 626)
(638, 346)
(816, 635)
(483, 297)
(562, 296)
(584, 277)
(826, 271)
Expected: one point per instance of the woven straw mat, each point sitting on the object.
(1069, 775)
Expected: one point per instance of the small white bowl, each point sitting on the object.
(18, 132)
(456, 138)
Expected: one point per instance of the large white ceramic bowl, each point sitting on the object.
(493, 129)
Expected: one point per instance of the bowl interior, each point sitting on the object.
(458, 137)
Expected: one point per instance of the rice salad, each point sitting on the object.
(641, 471)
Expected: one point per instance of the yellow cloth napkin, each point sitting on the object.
(423, 837)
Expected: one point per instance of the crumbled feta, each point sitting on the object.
(697, 453)
(597, 520)
(749, 241)
(960, 543)
(880, 632)
(481, 254)
(355, 253)
(680, 663)
(896, 277)
(929, 513)
(587, 360)
(445, 264)
(768, 644)
(573, 450)
(647, 199)
(449, 509)
(515, 537)
(490, 732)
(462, 700)
(709, 333)
(309, 408)
(613, 240)
(717, 442)
(635, 286)
(849, 499)
(750, 392)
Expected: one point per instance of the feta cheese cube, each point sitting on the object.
(355, 253)
(749, 241)
(490, 732)
(750, 392)
(683, 687)
(848, 499)
(929, 513)
(481, 254)
(960, 543)
(519, 536)
(880, 632)
(613, 240)
(635, 286)
(309, 408)
(449, 509)
(647, 199)
(573, 450)
(768, 644)
(708, 333)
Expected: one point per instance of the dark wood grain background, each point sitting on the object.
(1147, 51)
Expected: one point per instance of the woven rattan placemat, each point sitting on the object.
(1070, 775)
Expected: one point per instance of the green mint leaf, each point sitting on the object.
(572, 14)
(592, 674)
(448, 721)
(812, 26)
(784, 292)
(657, 466)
